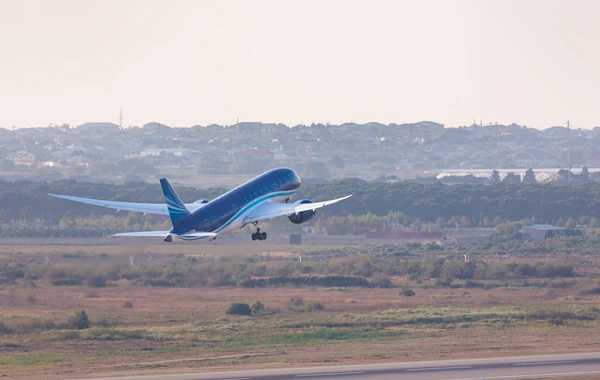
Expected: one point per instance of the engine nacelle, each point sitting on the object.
(303, 216)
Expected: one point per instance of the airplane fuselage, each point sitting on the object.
(227, 212)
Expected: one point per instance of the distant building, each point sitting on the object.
(154, 126)
(23, 158)
(539, 232)
(97, 128)
(594, 161)
(557, 132)
(176, 152)
(550, 163)
(405, 235)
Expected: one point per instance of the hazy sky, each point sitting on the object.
(182, 63)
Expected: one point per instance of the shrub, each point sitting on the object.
(251, 282)
(382, 282)
(407, 292)
(31, 299)
(455, 269)
(65, 277)
(237, 308)
(555, 321)
(80, 321)
(295, 304)
(92, 295)
(4, 330)
(96, 280)
(257, 308)
(260, 270)
(315, 306)
(433, 246)
(127, 305)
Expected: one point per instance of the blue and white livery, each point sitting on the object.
(261, 198)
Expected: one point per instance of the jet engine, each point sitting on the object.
(303, 216)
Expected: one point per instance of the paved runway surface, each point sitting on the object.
(468, 369)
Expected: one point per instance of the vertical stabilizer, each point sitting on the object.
(177, 210)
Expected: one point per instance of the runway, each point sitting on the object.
(522, 367)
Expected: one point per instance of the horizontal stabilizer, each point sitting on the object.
(144, 234)
(196, 234)
(191, 235)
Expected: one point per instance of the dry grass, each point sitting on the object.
(183, 329)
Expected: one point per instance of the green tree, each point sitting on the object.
(506, 232)
(318, 228)
(564, 176)
(570, 224)
(593, 223)
(529, 176)
(440, 222)
(464, 222)
(495, 178)
(511, 178)
(584, 176)
(67, 221)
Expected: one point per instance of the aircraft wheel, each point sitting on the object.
(253, 236)
(264, 236)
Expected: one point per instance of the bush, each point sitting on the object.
(237, 308)
(127, 305)
(96, 280)
(315, 306)
(4, 330)
(382, 282)
(407, 292)
(295, 304)
(65, 277)
(80, 321)
(31, 299)
(433, 246)
(257, 308)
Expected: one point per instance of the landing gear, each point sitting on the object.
(258, 235)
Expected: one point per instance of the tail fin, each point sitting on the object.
(177, 210)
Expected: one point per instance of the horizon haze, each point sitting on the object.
(187, 62)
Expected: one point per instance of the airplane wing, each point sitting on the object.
(269, 210)
(146, 208)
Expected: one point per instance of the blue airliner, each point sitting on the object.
(264, 197)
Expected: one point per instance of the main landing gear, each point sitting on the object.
(258, 235)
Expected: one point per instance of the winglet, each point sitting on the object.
(177, 210)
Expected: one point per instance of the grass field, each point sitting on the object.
(139, 328)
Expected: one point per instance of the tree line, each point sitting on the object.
(466, 204)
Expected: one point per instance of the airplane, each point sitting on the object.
(264, 197)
